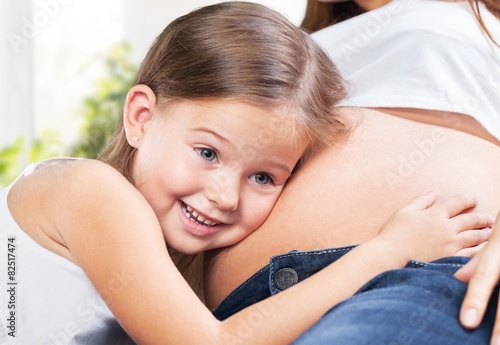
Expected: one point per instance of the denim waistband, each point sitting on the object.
(288, 269)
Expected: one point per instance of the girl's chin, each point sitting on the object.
(186, 246)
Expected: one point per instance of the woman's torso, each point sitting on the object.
(423, 60)
(344, 194)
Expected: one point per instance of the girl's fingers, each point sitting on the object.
(457, 204)
(421, 202)
(473, 238)
(471, 252)
(471, 221)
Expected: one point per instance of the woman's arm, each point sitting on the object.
(109, 228)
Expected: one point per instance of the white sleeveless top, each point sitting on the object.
(45, 298)
(426, 54)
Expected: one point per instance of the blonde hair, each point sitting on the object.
(241, 51)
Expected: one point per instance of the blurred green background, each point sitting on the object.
(99, 112)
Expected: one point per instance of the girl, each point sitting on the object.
(227, 101)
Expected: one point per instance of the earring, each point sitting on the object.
(135, 139)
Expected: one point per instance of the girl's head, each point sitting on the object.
(243, 51)
(230, 59)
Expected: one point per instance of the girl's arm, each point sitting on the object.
(482, 274)
(110, 229)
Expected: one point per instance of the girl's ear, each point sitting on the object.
(138, 112)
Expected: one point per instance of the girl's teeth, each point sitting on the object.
(195, 216)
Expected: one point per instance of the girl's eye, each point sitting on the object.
(262, 179)
(207, 154)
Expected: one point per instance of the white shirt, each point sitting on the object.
(425, 54)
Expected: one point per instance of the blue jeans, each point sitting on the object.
(416, 305)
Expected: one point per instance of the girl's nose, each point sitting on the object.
(225, 193)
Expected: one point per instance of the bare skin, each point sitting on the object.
(345, 193)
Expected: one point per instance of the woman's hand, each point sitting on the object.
(428, 229)
(482, 273)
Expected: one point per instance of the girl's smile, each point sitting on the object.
(198, 224)
(197, 217)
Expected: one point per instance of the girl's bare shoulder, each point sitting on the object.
(59, 195)
(70, 176)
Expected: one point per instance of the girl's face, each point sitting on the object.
(367, 5)
(213, 170)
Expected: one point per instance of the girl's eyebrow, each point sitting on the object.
(212, 132)
(282, 167)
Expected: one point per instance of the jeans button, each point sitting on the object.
(285, 278)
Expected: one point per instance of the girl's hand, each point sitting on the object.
(482, 273)
(427, 229)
